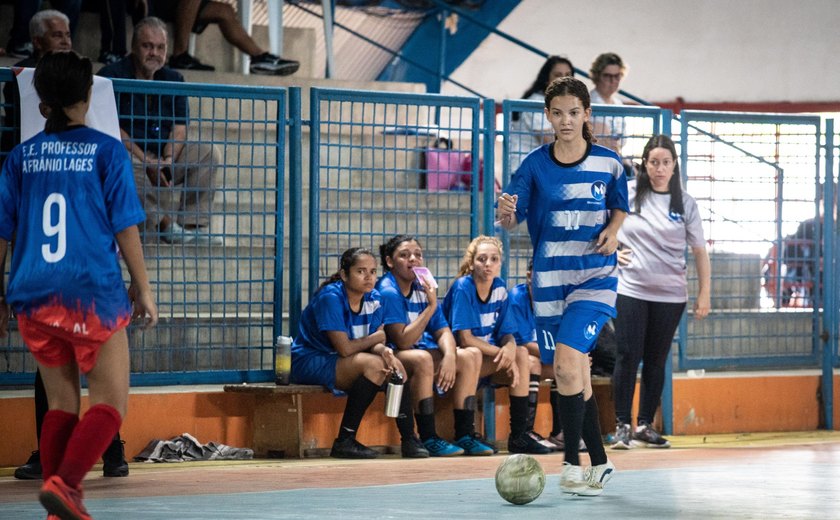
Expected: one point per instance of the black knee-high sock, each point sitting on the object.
(591, 433)
(533, 398)
(556, 421)
(518, 415)
(405, 420)
(572, 409)
(464, 422)
(359, 397)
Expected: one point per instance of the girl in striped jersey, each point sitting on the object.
(477, 309)
(341, 345)
(423, 341)
(573, 193)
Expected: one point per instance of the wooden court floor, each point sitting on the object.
(760, 476)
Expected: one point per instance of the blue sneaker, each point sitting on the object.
(438, 447)
(473, 446)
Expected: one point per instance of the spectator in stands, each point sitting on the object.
(20, 40)
(195, 15)
(341, 345)
(50, 31)
(606, 73)
(520, 305)
(154, 129)
(75, 324)
(476, 307)
(652, 288)
(573, 194)
(530, 129)
(421, 337)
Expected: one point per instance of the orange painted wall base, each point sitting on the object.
(724, 403)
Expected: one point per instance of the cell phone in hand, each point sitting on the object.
(424, 275)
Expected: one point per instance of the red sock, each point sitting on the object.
(90, 438)
(56, 430)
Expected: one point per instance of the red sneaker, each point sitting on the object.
(63, 501)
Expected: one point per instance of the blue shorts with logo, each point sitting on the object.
(313, 367)
(578, 328)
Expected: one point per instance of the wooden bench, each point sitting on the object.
(278, 417)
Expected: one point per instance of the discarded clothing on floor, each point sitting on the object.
(185, 448)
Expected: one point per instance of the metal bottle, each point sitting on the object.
(393, 395)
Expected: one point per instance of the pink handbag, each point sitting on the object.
(445, 166)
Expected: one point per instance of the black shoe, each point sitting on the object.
(412, 448)
(267, 63)
(32, 469)
(187, 62)
(114, 464)
(525, 443)
(350, 448)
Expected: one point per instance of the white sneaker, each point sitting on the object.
(572, 482)
(598, 476)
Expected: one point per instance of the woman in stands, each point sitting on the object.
(423, 341)
(652, 288)
(341, 345)
(67, 196)
(573, 194)
(531, 129)
(477, 309)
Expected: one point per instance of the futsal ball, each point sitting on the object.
(520, 479)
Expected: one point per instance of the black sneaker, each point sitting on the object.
(114, 464)
(267, 63)
(646, 437)
(527, 444)
(412, 448)
(186, 62)
(32, 469)
(350, 448)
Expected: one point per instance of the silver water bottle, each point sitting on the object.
(393, 395)
(282, 360)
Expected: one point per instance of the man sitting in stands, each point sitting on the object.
(154, 129)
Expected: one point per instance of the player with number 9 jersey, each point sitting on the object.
(63, 197)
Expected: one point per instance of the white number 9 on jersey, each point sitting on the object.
(57, 229)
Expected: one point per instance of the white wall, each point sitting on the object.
(700, 50)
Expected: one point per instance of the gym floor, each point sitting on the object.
(760, 475)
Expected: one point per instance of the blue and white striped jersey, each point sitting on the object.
(566, 207)
(485, 319)
(329, 309)
(406, 309)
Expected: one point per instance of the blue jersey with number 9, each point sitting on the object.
(63, 198)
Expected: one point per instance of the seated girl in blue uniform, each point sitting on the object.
(477, 309)
(341, 345)
(423, 341)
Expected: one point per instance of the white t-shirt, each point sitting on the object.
(657, 270)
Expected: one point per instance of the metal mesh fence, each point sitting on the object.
(379, 173)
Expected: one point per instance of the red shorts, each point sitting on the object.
(54, 346)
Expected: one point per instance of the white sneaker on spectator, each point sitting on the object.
(176, 235)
